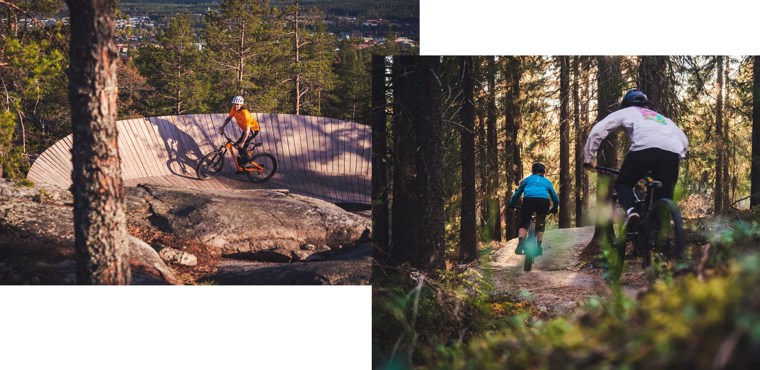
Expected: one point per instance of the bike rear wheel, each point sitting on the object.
(210, 165)
(530, 248)
(665, 240)
(268, 164)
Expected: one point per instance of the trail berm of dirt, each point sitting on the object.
(558, 281)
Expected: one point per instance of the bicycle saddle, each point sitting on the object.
(655, 184)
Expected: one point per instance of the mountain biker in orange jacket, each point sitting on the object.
(247, 124)
(537, 189)
(657, 146)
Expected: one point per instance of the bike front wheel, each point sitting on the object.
(210, 165)
(665, 239)
(265, 165)
(615, 255)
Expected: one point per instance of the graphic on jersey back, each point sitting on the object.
(652, 115)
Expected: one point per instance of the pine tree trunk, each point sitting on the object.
(100, 230)
(481, 142)
(430, 191)
(404, 193)
(509, 149)
(417, 213)
(719, 195)
(609, 81)
(727, 182)
(298, 63)
(585, 114)
(493, 220)
(579, 171)
(380, 222)
(241, 58)
(653, 82)
(512, 161)
(468, 249)
(755, 187)
(564, 144)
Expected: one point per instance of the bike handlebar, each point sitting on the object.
(603, 170)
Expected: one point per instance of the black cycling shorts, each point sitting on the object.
(538, 205)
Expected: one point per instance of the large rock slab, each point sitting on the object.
(352, 266)
(259, 224)
(37, 241)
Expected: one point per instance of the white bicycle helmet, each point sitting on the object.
(237, 100)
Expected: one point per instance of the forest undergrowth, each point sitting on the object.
(708, 317)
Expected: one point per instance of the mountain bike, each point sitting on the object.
(262, 165)
(530, 245)
(658, 236)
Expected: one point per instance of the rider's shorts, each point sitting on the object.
(538, 205)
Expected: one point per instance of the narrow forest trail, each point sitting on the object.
(557, 282)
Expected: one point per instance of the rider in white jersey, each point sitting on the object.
(657, 146)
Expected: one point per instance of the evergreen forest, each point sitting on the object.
(280, 57)
(452, 139)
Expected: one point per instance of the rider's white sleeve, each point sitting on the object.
(598, 133)
(685, 142)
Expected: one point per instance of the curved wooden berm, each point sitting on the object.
(319, 157)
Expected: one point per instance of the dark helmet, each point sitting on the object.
(634, 97)
(538, 167)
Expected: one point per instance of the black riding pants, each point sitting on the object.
(244, 150)
(661, 165)
(530, 205)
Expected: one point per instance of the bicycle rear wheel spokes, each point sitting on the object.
(210, 165)
(265, 165)
(665, 240)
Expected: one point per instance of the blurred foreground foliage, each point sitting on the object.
(695, 321)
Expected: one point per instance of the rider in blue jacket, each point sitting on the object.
(537, 189)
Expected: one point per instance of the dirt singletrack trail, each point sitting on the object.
(557, 283)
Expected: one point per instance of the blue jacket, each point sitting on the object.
(535, 186)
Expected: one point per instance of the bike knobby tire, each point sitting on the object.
(615, 259)
(269, 163)
(665, 236)
(530, 248)
(210, 165)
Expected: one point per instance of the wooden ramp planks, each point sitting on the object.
(320, 157)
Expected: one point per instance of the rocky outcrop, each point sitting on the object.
(37, 241)
(253, 231)
(267, 225)
(352, 266)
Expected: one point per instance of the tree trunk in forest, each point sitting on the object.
(178, 98)
(512, 123)
(468, 247)
(493, 220)
(481, 142)
(417, 224)
(579, 137)
(755, 187)
(564, 143)
(653, 82)
(727, 182)
(99, 220)
(610, 80)
(380, 222)
(719, 145)
(241, 58)
(297, 47)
